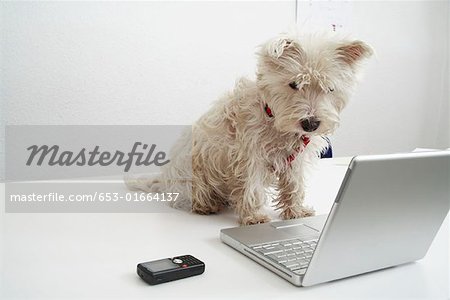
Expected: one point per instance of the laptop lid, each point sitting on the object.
(387, 212)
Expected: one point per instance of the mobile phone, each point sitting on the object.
(169, 269)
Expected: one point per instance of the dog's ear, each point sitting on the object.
(353, 52)
(281, 45)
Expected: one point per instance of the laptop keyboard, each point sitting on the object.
(292, 254)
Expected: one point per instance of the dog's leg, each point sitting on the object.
(205, 201)
(248, 199)
(291, 195)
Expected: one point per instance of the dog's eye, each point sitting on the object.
(293, 85)
(330, 90)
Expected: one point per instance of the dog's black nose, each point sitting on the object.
(310, 124)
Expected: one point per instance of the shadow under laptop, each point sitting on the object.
(378, 284)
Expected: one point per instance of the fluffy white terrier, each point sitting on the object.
(265, 132)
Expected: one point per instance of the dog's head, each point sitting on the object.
(306, 81)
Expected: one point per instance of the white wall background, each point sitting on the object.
(403, 102)
(165, 62)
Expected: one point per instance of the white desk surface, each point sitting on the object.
(95, 255)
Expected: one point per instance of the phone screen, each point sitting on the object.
(160, 265)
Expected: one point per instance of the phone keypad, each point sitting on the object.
(187, 260)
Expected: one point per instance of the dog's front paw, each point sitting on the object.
(294, 213)
(254, 219)
(206, 209)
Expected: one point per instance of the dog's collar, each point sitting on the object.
(298, 150)
(305, 139)
(268, 110)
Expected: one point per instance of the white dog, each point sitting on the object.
(263, 134)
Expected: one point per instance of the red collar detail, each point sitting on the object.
(298, 150)
(305, 139)
(268, 110)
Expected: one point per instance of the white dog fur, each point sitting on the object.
(240, 147)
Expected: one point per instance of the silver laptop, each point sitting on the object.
(386, 213)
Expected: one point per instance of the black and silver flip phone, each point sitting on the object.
(169, 269)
